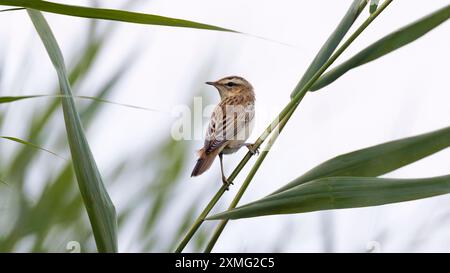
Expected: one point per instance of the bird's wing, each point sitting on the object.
(227, 120)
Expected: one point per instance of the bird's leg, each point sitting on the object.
(224, 179)
(251, 147)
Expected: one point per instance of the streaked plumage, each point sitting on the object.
(231, 122)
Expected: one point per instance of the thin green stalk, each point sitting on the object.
(300, 93)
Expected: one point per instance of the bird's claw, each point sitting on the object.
(225, 182)
(253, 150)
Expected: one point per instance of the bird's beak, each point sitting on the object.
(211, 83)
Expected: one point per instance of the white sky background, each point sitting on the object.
(402, 94)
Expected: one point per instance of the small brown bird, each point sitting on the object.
(230, 125)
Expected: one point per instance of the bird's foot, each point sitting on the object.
(252, 148)
(225, 182)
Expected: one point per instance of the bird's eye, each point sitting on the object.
(230, 84)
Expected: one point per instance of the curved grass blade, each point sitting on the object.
(333, 41)
(8, 99)
(386, 45)
(98, 204)
(29, 144)
(379, 159)
(340, 193)
(12, 9)
(109, 14)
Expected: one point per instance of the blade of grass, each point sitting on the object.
(333, 41)
(339, 193)
(98, 204)
(8, 99)
(378, 160)
(109, 14)
(285, 113)
(29, 144)
(386, 45)
(12, 9)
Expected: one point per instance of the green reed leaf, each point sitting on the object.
(378, 160)
(339, 193)
(109, 14)
(29, 144)
(98, 204)
(8, 99)
(12, 9)
(386, 45)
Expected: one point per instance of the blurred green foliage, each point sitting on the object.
(48, 222)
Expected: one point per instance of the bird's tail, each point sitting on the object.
(204, 162)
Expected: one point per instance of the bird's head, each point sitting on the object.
(231, 86)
